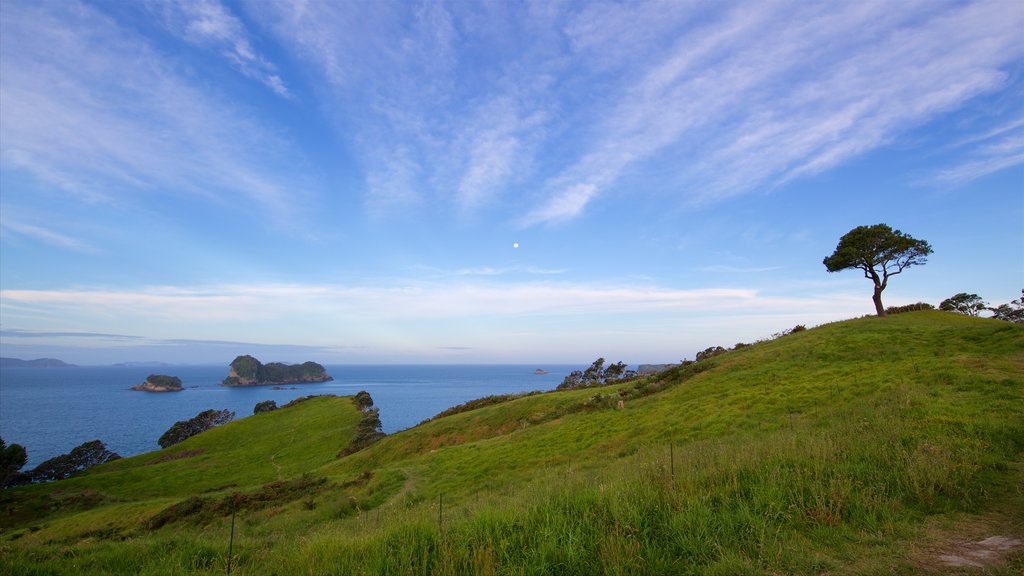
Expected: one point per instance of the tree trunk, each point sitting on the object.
(877, 299)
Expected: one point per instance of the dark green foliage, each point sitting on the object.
(909, 308)
(615, 371)
(185, 429)
(265, 406)
(368, 431)
(164, 380)
(573, 380)
(248, 371)
(64, 466)
(363, 400)
(1012, 312)
(710, 353)
(879, 252)
(480, 403)
(964, 303)
(246, 367)
(12, 458)
(596, 375)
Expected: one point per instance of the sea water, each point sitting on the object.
(49, 411)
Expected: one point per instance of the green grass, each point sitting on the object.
(833, 450)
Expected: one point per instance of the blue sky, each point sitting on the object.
(345, 181)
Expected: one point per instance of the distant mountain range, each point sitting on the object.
(37, 363)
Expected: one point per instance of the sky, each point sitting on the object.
(491, 181)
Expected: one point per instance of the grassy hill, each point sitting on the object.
(872, 446)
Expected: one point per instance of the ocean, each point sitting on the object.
(49, 411)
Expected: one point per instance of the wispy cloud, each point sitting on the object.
(747, 96)
(210, 24)
(18, 333)
(250, 306)
(985, 153)
(97, 111)
(738, 269)
(46, 235)
(760, 94)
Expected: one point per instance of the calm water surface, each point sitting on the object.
(52, 410)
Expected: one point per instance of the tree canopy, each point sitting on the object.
(1011, 312)
(964, 303)
(12, 458)
(880, 252)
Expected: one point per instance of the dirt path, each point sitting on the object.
(990, 552)
(273, 456)
(988, 543)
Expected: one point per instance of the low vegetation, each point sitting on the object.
(184, 429)
(862, 447)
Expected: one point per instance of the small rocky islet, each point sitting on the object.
(159, 383)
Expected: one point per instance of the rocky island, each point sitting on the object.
(248, 371)
(159, 383)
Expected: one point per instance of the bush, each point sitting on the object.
(909, 308)
(363, 400)
(710, 353)
(12, 458)
(265, 406)
(185, 429)
(368, 431)
(64, 466)
(1012, 312)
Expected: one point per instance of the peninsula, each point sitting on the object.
(159, 383)
(248, 371)
(37, 363)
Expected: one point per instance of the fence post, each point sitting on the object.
(231, 542)
(672, 459)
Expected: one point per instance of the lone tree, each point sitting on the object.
(880, 252)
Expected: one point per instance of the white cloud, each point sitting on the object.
(364, 305)
(768, 92)
(47, 236)
(98, 112)
(557, 321)
(992, 150)
(210, 24)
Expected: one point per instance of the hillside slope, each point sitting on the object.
(858, 447)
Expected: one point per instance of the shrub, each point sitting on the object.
(265, 406)
(185, 429)
(81, 458)
(368, 431)
(710, 353)
(909, 308)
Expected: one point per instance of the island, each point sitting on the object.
(37, 363)
(159, 383)
(248, 371)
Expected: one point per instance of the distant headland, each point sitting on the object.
(248, 371)
(37, 363)
(159, 383)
